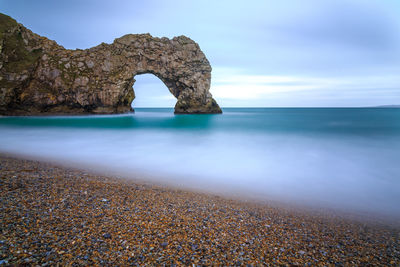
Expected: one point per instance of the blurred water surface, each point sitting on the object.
(346, 158)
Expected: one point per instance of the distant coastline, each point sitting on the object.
(388, 106)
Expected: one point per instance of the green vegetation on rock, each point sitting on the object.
(18, 58)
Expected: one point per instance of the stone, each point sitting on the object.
(107, 235)
(38, 76)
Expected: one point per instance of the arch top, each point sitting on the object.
(39, 76)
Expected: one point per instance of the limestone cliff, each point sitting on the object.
(38, 76)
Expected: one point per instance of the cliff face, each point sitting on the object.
(39, 76)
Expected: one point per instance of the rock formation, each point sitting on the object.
(38, 76)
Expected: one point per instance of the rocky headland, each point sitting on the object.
(38, 76)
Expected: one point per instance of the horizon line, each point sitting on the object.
(377, 106)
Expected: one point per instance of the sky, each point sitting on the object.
(286, 53)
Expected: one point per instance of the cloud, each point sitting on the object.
(257, 86)
(349, 24)
(232, 87)
(313, 38)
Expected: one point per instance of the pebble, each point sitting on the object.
(107, 235)
(53, 216)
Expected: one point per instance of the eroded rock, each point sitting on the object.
(39, 76)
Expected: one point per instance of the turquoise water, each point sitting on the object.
(348, 121)
(345, 158)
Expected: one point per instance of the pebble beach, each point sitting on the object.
(52, 215)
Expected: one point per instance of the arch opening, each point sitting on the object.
(151, 92)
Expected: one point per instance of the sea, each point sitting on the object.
(337, 158)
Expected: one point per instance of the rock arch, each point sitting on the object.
(39, 76)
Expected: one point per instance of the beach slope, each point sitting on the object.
(61, 216)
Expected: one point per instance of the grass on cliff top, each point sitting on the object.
(19, 58)
(6, 22)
